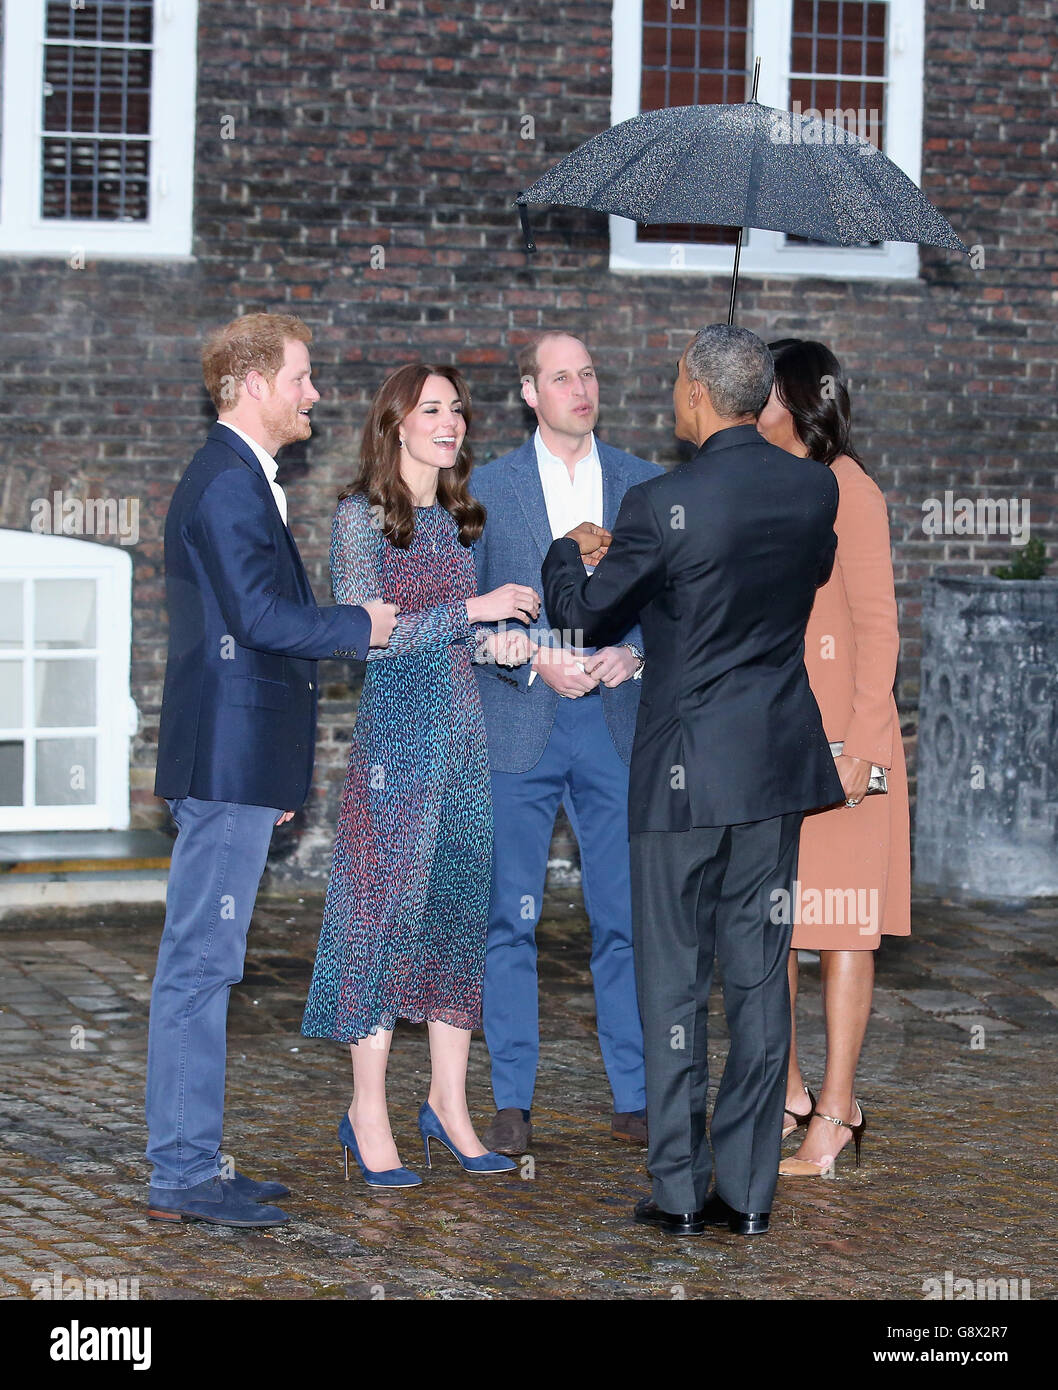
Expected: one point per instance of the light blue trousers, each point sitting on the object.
(217, 863)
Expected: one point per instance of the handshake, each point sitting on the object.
(569, 673)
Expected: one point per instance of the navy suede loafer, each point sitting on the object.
(256, 1191)
(214, 1201)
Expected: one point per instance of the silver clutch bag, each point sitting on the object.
(877, 785)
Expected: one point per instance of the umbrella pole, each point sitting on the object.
(734, 278)
(738, 241)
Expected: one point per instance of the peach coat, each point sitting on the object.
(854, 868)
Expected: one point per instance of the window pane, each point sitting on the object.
(12, 761)
(65, 613)
(857, 107)
(681, 48)
(874, 62)
(101, 21)
(827, 12)
(97, 89)
(96, 180)
(65, 694)
(707, 38)
(831, 41)
(10, 694)
(682, 88)
(10, 613)
(66, 772)
(826, 55)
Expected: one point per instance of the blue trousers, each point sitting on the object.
(217, 862)
(580, 765)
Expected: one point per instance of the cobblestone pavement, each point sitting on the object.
(958, 1172)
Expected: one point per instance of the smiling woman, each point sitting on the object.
(403, 932)
(414, 451)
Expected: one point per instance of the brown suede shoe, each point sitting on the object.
(629, 1129)
(508, 1133)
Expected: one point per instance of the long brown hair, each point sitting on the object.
(379, 478)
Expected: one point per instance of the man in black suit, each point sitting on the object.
(721, 559)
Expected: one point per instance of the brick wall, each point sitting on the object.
(357, 128)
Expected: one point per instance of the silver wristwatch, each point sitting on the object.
(639, 657)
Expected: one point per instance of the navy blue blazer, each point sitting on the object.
(517, 534)
(721, 559)
(238, 719)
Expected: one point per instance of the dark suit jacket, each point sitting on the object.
(721, 559)
(238, 719)
(519, 716)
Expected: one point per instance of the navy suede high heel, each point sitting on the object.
(430, 1127)
(389, 1177)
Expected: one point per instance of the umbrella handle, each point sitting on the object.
(527, 234)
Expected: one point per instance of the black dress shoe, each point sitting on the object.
(716, 1212)
(682, 1223)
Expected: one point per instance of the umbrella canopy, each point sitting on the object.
(746, 165)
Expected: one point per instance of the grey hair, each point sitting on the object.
(734, 366)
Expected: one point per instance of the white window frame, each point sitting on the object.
(765, 252)
(167, 231)
(25, 556)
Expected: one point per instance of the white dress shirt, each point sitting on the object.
(267, 462)
(569, 501)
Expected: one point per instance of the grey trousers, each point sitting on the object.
(698, 896)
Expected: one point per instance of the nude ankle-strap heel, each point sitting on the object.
(810, 1168)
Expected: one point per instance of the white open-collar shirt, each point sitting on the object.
(569, 501)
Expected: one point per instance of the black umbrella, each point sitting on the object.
(744, 165)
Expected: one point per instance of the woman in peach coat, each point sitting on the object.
(854, 868)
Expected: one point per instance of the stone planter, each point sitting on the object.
(987, 812)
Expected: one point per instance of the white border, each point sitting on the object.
(168, 231)
(26, 555)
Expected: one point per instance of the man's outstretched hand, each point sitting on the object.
(383, 620)
(593, 541)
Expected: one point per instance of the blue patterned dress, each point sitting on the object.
(403, 931)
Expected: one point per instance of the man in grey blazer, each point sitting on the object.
(560, 730)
